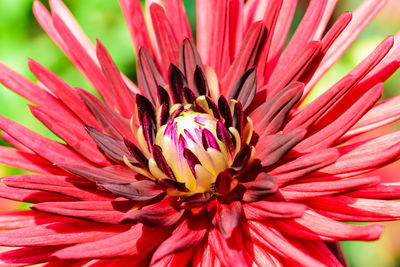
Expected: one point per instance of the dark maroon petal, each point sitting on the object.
(186, 235)
(224, 136)
(160, 214)
(112, 147)
(163, 97)
(168, 183)
(164, 115)
(225, 111)
(211, 105)
(96, 174)
(238, 117)
(262, 186)
(197, 201)
(227, 217)
(191, 159)
(245, 88)
(209, 140)
(148, 74)
(200, 81)
(223, 182)
(275, 147)
(148, 130)
(189, 95)
(177, 82)
(269, 117)
(144, 105)
(138, 191)
(241, 158)
(136, 153)
(113, 123)
(189, 61)
(123, 96)
(161, 162)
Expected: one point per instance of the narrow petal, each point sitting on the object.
(227, 217)
(185, 236)
(137, 241)
(265, 210)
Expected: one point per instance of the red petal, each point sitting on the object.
(185, 236)
(271, 239)
(180, 259)
(315, 226)
(133, 14)
(176, 14)
(62, 90)
(229, 251)
(304, 165)
(160, 214)
(27, 161)
(264, 210)
(30, 196)
(138, 241)
(380, 191)
(27, 256)
(46, 148)
(69, 231)
(358, 209)
(26, 218)
(361, 18)
(64, 185)
(302, 37)
(73, 133)
(226, 217)
(296, 192)
(98, 211)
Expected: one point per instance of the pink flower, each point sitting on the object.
(211, 160)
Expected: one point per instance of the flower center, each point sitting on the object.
(192, 149)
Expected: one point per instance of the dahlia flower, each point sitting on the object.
(211, 160)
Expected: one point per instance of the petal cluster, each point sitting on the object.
(211, 160)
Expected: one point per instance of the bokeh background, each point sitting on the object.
(21, 37)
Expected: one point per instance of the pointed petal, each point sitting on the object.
(265, 210)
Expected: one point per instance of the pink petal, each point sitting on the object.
(380, 191)
(262, 257)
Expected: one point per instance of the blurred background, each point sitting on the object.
(21, 37)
